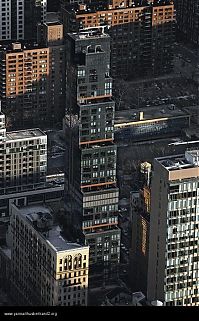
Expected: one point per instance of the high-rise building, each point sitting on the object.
(23, 172)
(35, 12)
(187, 12)
(19, 18)
(53, 39)
(142, 33)
(32, 84)
(138, 256)
(23, 169)
(173, 246)
(46, 269)
(23, 156)
(91, 187)
(5, 18)
(24, 84)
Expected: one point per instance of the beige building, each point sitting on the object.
(32, 81)
(173, 268)
(24, 84)
(53, 32)
(46, 269)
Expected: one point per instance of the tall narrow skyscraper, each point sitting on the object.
(173, 268)
(91, 187)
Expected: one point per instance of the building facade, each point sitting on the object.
(139, 251)
(187, 20)
(53, 39)
(5, 268)
(19, 18)
(24, 84)
(173, 246)
(23, 156)
(23, 160)
(91, 186)
(32, 84)
(47, 270)
(142, 33)
(153, 122)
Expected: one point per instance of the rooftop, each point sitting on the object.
(133, 116)
(89, 33)
(104, 6)
(58, 242)
(12, 47)
(178, 162)
(23, 134)
(52, 17)
(40, 217)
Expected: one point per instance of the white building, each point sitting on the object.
(173, 268)
(23, 156)
(46, 269)
(23, 160)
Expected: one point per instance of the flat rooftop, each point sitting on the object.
(150, 113)
(23, 134)
(103, 6)
(178, 162)
(90, 34)
(21, 46)
(58, 242)
(52, 17)
(40, 217)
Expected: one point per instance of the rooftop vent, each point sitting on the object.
(16, 46)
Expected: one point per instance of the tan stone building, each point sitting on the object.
(24, 84)
(32, 80)
(46, 269)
